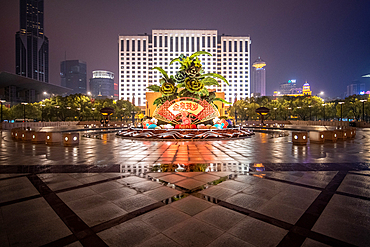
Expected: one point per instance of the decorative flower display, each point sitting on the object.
(168, 88)
(189, 81)
(193, 85)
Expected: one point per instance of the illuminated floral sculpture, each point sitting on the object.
(185, 100)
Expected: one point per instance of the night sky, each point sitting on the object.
(326, 42)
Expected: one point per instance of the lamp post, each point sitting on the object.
(324, 110)
(133, 112)
(93, 109)
(246, 108)
(289, 108)
(122, 116)
(1, 102)
(236, 116)
(69, 108)
(341, 110)
(42, 113)
(310, 111)
(24, 111)
(275, 112)
(57, 112)
(299, 107)
(363, 108)
(78, 109)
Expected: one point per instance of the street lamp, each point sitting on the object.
(1, 102)
(299, 107)
(236, 116)
(275, 112)
(42, 113)
(93, 109)
(246, 108)
(289, 108)
(24, 111)
(324, 110)
(123, 109)
(310, 111)
(363, 108)
(57, 111)
(78, 109)
(341, 110)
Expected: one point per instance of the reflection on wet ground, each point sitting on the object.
(261, 148)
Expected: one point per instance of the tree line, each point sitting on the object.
(75, 107)
(304, 108)
(79, 107)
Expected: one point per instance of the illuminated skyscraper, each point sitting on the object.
(258, 85)
(73, 75)
(32, 46)
(139, 54)
(102, 84)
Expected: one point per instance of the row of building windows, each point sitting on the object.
(185, 44)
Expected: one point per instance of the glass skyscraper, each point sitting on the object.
(32, 46)
(73, 75)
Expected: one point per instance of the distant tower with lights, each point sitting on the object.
(306, 90)
(32, 46)
(102, 84)
(258, 86)
(73, 75)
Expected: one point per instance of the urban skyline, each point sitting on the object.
(320, 42)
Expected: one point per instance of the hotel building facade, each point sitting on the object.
(139, 54)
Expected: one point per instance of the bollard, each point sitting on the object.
(299, 138)
(18, 134)
(26, 136)
(341, 134)
(38, 137)
(317, 136)
(53, 138)
(70, 139)
(330, 135)
(13, 132)
(351, 132)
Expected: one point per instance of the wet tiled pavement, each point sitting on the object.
(101, 193)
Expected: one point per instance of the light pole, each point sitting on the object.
(78, 109)
(1, 102)
(324, 110)
(275, 112)
(289, 108)
(24, 111)
(341, 110)
(310, 111)
(68, 108)
(57, 112)
(363, 108)
(299, 107)
(246, 108)
(93, 109)
(42, 113)
(122, 116)
(236, 116)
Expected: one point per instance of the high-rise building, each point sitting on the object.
(139, 54)
(73, 75)
(102, 84)
(32, 46)
(258, 85)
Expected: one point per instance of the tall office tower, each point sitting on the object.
(32, 46)
(258, 85)
(73, 75)
(139, 54)
(102, 83)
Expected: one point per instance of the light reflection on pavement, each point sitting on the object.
(261, 148)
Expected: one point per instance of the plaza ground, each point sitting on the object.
(259, 191)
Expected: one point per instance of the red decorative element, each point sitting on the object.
(164, 112)
(207, 110)
(185, 126)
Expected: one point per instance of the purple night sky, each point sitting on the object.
(326, 42)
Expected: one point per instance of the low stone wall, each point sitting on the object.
(321, 123)
(8, 126)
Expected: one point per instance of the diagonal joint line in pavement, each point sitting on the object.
(80, 229)
(298, 233)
